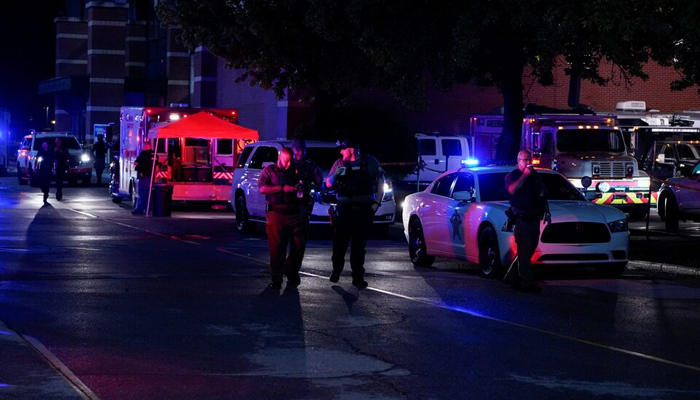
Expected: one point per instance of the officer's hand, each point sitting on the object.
(289, 189)
(547, 218)
(528, 170)
(375, 207)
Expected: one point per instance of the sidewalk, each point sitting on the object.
(26, 372)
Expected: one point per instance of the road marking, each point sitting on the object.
(73, 380)
(532, 328)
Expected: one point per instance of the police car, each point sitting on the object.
(461, 215)
(249, 203)
(679, 198)
(79, 163)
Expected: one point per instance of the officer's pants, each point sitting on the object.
(285, 230)
(352, 226)
(527, 237)
(143, 186)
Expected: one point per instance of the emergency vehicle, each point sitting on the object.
(590, 151)
(438, 153)
(196, 151)
(485, 131)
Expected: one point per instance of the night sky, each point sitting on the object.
(27, 45)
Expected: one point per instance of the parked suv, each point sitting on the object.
(79, 162)
(669, 159)
(249, 203)
(679, 198)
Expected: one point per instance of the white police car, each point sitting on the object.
(462, 215)
(249, 203)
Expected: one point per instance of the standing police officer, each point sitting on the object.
(310, 176)
(529, 202)
(144, 168)
(359, 180)
(285, 225)
(46, 168)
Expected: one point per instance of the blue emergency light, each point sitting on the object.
(470, 162)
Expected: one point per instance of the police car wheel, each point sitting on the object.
(670, 214)
(489, 255)
(416, 245)
(243, 224)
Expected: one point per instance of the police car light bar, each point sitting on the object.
(470, 162)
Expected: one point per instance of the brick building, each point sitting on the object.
(114, 53)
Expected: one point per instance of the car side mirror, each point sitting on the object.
(466, 196)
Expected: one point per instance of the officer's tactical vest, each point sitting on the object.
(356, 181)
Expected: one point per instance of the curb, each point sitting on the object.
(663, 268)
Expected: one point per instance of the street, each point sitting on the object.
(119, 306)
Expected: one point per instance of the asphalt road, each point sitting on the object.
(130, 307)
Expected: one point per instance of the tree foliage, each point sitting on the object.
(328, 49)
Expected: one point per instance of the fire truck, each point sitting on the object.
(590, 151)
(197, 159)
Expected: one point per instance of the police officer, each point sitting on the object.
(61, 155)
(144, 169)
(47, 157)
(285, 225)
(99, 151)
(359, 181)
(529, 203)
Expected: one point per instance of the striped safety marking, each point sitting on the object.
(614, 198)
(223, 175)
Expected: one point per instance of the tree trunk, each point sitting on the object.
(512, 91)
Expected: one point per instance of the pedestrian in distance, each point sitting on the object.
(61, 156)
(144, 168)
(359, 180)
(286, 222)
(528, 202)
(46, 159)
(99, 152)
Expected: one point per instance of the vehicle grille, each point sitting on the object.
(612, 168)
(326, 196)
(576, 232)
(74, 161)
(572, 257)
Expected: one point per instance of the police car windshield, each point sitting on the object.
(492, 187)
(67, 143)
(583, 140)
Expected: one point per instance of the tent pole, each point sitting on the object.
(150, 181)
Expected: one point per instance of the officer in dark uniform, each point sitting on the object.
(359, 180)
(529, 203)
(285, 224)
(310, 177)
(99, 151)
(144, 168)
(46, 166)
(62, 157)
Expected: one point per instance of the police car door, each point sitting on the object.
(434, 216)
(459, 209)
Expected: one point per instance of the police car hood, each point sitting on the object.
(582, 211)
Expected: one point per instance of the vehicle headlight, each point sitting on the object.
(618, 226)
(388, 192)
(85, 158)
(39, 159)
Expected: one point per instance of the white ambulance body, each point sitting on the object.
(199, 169)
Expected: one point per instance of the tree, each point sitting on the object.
(328, 49)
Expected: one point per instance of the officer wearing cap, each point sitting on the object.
(285, 225)
(359, 181)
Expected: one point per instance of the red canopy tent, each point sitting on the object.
(203, 125)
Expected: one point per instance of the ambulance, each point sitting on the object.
(589, 150)
(196, 151)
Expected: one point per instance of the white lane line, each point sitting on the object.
(73, 380)
(532, 328)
